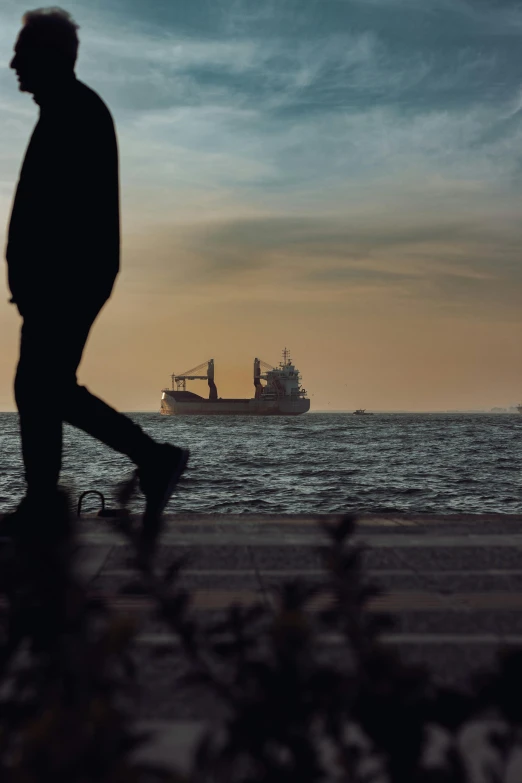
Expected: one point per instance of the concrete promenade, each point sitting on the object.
(453, 583)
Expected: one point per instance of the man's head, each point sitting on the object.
(46, 49)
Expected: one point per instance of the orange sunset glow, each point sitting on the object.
(336, 193)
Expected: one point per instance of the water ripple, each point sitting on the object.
(318, 463)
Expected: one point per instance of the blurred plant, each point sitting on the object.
(67, 684)
(291, 715)
(290, 712)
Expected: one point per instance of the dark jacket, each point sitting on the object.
(64, 232)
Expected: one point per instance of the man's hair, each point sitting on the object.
(55, 29)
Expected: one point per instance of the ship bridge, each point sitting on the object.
(281, 381)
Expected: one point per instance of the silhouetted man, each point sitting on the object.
(63, 257)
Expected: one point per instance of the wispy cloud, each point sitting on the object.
(449, 262)
(306, 110)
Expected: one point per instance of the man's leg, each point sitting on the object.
(92, 415)
(47, 394)
(159, 465)
(42, 377)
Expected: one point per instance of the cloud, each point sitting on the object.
(339, 118)
(446, 263)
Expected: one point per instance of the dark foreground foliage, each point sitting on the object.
(66, 673)
(67, 682)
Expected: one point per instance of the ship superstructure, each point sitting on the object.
(280, 394)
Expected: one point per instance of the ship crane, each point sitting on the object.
(180, 381)
(258, 363)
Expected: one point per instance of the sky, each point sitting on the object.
(341, 177)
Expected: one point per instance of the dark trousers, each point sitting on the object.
(47, 393)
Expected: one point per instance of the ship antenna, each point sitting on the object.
(286, 354)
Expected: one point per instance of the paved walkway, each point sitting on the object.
(454, 584)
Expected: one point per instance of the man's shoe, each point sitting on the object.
(9, 524)
(158, 480)
(44, 514)
(15, 524)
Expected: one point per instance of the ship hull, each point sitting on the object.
(201, 407)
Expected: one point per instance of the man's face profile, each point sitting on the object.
(36, 61)
(26, 61)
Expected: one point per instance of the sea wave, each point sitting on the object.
(320, 463)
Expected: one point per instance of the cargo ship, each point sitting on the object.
(281, 394)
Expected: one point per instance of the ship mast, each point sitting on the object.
(180, 381)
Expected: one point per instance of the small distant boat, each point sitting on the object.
(519, 408)
(361, 412)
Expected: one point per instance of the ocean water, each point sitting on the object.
(315, 463)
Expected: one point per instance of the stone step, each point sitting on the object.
(208, 600)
